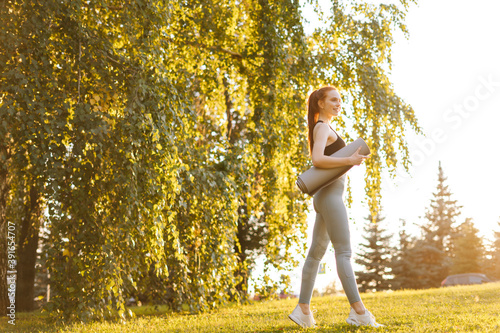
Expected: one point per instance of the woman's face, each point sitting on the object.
(331, 104)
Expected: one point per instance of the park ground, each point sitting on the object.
(455, 309)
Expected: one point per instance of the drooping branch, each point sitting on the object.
(229, 106)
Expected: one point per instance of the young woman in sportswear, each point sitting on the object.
(331, 223)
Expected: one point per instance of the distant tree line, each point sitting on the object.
(443, 248)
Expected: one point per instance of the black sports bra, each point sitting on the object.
(332, 148)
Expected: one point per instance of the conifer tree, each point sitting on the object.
(468, 252)
(374, 256)
(441, 214)
(492, 265)
(408, 262)
(496, 254)
(402, 268)
(436, 234)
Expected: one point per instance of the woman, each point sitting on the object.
(331, 216)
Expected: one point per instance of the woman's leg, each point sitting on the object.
(331, 207)
(319, 244)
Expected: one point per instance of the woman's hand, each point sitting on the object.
(356, 158)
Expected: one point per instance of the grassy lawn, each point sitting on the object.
(454, 309)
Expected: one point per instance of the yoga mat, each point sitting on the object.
(314, 179)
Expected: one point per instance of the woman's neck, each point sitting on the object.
(325, 117)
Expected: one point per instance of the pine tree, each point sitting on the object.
(375, 258)
(408, 262)
(441, 214)
(496, 254)
(402, 268)
(492, 264)
(436, 244)
(468, 248)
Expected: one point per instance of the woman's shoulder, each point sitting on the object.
(321, 127)
(321, 124)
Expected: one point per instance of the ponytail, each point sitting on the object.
(313, 111)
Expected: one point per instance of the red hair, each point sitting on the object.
(313, 110)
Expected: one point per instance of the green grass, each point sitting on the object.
(456, 309)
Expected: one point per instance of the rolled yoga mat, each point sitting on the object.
(314, 179)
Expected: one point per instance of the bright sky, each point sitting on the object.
(449, 72)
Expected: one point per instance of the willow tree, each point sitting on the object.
(260, 65)
(248, 77)
(86, 114)
(166, 137)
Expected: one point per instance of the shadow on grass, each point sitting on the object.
(35, 321)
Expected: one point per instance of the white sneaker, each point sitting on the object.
(366, 319)
(301, 319)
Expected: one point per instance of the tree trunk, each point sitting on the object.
(4, 190)
(27, 246)
(242, 287)
(250, 238)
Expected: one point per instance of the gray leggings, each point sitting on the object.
(331, 224)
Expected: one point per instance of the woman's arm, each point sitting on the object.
(319, 159)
